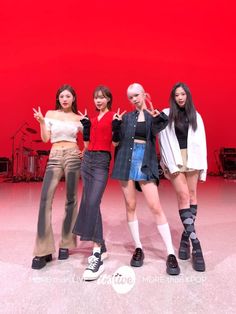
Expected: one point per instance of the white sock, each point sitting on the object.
(97, 249)
(134, 229)
(166, 237)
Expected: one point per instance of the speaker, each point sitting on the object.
(4, 165)
(228, 161)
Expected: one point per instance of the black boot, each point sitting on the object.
(39, 262)
(137, 258)
(184, 247)
(63, 253)
(172, 267)
(187, 218)
(198, 259)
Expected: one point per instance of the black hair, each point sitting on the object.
(189, 107)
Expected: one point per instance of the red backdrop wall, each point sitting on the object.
(86, 43)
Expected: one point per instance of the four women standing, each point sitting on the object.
(183, 152)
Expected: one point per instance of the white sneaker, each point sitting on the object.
(95, 267)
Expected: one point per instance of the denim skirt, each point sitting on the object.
(136, 163)
(94, 173)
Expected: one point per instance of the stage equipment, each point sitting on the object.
(17, 153)
(22, 162)
(30, 130)
(42, 163)
(4, 166)
(228, 162)
(31, 166)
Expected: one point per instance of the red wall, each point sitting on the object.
(86, 43)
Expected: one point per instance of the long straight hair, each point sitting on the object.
(189, 107)
(72, 91)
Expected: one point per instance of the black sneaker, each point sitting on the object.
(184, 250)
(95, 267)
(172, 267)
(39, 262)
(137, 258)
(63, 253)
(104, 253)
(198, 260)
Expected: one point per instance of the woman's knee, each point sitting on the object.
(183, 197)
(156, 209)
(130, 206)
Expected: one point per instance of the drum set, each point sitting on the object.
(28, 162)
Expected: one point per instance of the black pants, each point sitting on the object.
(94, 173)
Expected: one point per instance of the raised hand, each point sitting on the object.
(118, 115)
(86, 125)
(83, 116)
(38, 115)
(153, 112)
(116, 126)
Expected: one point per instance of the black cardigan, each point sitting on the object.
(123, 152)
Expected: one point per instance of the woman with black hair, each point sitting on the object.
(61, 127)
(184, 160)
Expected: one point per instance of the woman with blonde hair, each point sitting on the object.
(136, 162)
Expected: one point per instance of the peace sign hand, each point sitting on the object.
(118, 115)
(38, 115)
(83, 116)
(116, 126)
(84, 119)
(153, 112)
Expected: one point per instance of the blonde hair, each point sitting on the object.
(135, 87)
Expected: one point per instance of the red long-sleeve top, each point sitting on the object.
(101, 132)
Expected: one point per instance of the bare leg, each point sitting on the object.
(151, 195)
(129, 192)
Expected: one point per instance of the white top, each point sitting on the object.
(63, 130)
(196, 145)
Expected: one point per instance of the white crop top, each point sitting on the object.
(63, 130)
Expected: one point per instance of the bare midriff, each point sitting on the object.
(63, 145)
